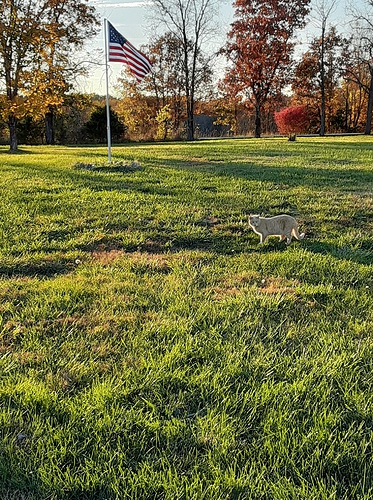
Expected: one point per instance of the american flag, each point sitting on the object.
(121, 50)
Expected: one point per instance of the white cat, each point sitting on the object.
(283, 226)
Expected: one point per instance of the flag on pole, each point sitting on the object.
(121, 50)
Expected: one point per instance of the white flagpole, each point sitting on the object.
(106, 43)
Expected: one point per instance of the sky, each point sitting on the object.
(132, 19)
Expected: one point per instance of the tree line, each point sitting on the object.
(265, 72)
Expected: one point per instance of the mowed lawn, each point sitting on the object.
(152, 349)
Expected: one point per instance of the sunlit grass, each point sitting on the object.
(152, 349)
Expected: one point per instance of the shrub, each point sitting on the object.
(292, 121)
(96, 127)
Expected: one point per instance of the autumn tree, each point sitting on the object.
(42, 94)
(361, 71)
(20, 33)
(317, 76)
(323, 9)
(36, 42)
(68, 24)
(260, 47)
(166, 81)
(163, 119)
(136, 108)
(157, 101)
(351, 98)
(227, 110)
(357, 85)
(157, 106)
(191, 22)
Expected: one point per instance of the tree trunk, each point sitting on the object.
(49, 127)
(346, 125)
(190, 121)
(13, 143)
(368, 124)
(258, 124)
(322, 63)
(235, 131)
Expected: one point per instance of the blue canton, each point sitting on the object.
(116, 37)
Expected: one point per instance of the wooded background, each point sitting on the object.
(267, 69)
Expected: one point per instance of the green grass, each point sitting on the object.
(151, 349)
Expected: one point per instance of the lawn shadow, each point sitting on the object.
(259, 166)
(359, 255)
(162, 243)
(255, 166)
(315, 177)
(19, 152)
(113, 179)
(42, 269)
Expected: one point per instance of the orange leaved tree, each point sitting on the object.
(38, 42)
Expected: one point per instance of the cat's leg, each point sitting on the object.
(263, 237)
(288, 239)
(282, 237)
(296, 234)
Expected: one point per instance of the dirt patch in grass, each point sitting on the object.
(161, 261)
(274, 286)
(106, 257)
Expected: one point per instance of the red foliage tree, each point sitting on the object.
(260, 47)
(292, 121)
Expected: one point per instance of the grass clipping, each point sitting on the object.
(115, 166)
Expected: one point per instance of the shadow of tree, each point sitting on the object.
(348, 253)
(19, 152)
(46, 268)
(249, 164)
